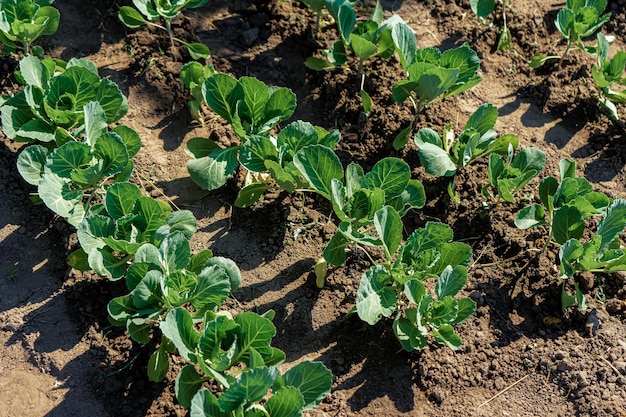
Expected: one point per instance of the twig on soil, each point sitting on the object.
(504, 390)
(611, 365)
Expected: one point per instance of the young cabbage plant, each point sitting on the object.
(578, 20)
(75, 175)
(269, 160)
(434, 76)
(359, 199)
(23, 21)
(396, 288)
(252, 108)
(236, 353)
(51, 107)
(317, 7)
(565, 204)
(112, 231)
(603, 253)
(508, 174)
(608, 75)
(167, 278)
(445, 156)
(483, 8)
(193, 74)
(148, 12)
(367, 40)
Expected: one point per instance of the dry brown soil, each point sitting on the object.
(520, 357)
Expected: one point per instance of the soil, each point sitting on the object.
(521, 356)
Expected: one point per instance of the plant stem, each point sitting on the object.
(569, 45)
(168, 26)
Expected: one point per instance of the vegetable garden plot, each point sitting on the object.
(515, 331)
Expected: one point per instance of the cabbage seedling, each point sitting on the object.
(508, 174)
(578, 20)
(23, 21)
(433, 76)
(148, 12)
(603, 253)
(608, 76)
(445, 156)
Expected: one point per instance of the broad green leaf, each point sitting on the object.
(34, 72)
(175, 252)
(319, 165)
(567, 169)
(69, 157)
(406, 43)
(436, 161)
(445, 335)
(200, 147)
(566, 224)
(55, 192)
(613, 224)
(158, 365)
(120, 199)
(182, 221)
(255, 95)
(389, 174)
(256, 333)
(120, 309)
(567, 300)
(222, 92)
(530, 216)
(79, 260)
(149, 217)
(335, 251)
(287, 402)
(211, 172)
(204, 404)
(212, 289)
(178, 327)
(389, 227)
(250, 387)
(250, 194)
(111, 150)
(30, 163)
(569, 254)
(346, 21)
(408, 335)
(414, 290)
(482, 8)
(362, 47)
(312, 379)
(280, 106)
(187, 384)
(451, 281)
(413, 197)
(198, 51)
(255, 151)
(452, 254)
(483, 119)
(465, 308)
(112, 100)
(105, 263)
(230, 267)
(131, 17)
(91, 231)
(130, 138)
(375, 298)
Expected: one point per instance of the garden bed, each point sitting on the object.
(61, 356)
